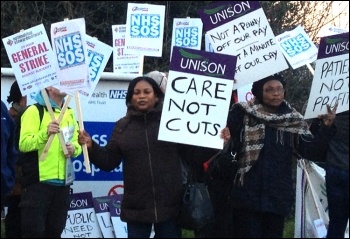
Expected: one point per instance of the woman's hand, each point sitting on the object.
(84, 138)
(328, 118)
(225, 134)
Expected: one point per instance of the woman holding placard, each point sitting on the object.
(152, 169)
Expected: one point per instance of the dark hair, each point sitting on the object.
(15, 93)
(257, 88)
(133, 83)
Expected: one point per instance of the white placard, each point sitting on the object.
(297, 47)
(98, 56)
(187, 33)
(32, 59)
(123, 63)
(248, 36)
(144, 29)
(69, 44)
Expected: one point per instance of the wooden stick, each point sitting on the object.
(81, 126)
(141, 65)
(310, 68)
(48, 104)
(62, 141)
(60, 117)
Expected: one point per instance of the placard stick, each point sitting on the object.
(81, 126)
(49, 141)
(48, 104)
(141, 65)
(310, 68)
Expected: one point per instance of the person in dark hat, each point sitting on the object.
(257, 87)
(270, 129)
(13, 216)
(17, 101)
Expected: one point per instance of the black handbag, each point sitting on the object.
(224, 164)
(196, 209)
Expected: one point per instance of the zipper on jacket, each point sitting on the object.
(150, 165)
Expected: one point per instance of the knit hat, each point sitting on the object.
(257, 88)
(15, 93)
(160, 78)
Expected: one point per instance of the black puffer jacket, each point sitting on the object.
(152, 171)
(268, 186)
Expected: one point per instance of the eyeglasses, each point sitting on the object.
(272, 90)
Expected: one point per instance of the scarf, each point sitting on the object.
(256, 118)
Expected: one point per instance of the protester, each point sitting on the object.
(337, 178)
(46, 193)
(152, 169)
(8, 154)
(219, 189)
(262, 194)
(13, 216)
(336, 164)
(162, 79)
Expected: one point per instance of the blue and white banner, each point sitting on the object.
(144, 29)
(297, 47)
(187, 33)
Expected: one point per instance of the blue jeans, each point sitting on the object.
(337, 185)
(168, 229)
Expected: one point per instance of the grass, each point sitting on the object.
(187, 234)
(287, 233)
(289, 228)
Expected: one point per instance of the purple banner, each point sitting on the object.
(334, 45)
(81, 201)
(101, 203)
(219, 13)
(115, 204)
(203, 63)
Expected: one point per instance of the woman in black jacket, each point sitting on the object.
(263, 187)
(152, 171)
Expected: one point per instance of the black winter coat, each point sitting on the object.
(152, 172)
(268, 186)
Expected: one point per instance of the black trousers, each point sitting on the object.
(252, 224)
(13, 217)
(44, 210)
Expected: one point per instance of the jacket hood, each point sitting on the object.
(40, 99)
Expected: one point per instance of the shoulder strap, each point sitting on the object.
(41, 111)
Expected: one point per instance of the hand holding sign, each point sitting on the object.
(49, 141)
(330, 116)
(330, 85)
(72, 63)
